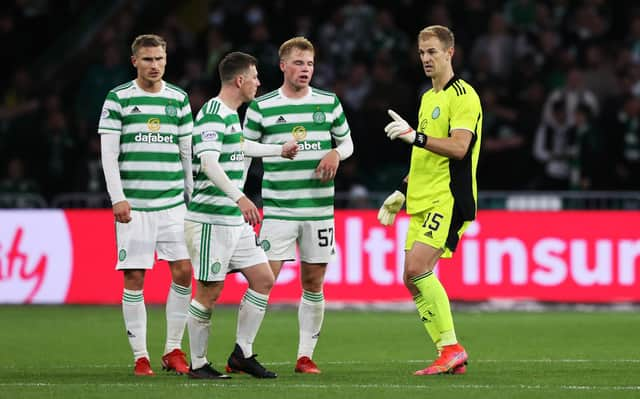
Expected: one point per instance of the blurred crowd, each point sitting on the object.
(559, 82)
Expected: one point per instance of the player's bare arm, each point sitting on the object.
(455, 146)
(328, 166)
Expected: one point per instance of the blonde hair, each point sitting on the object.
(443, 34)
(299, 42)
(147, 41)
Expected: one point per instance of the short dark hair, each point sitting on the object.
(148, 41)
(234, 64)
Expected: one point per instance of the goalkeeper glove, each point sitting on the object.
(399, 128)
(390, 207)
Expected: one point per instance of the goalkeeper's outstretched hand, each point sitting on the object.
(399, 128)
(390, 207)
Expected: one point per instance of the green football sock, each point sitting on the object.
(425, 316)
(437, 302)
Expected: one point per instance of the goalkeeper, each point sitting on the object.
(440, 189)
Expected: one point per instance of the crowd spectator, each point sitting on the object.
(626, 131)
(551, 148)
(16, 180)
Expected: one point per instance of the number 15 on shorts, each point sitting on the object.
(432, 221)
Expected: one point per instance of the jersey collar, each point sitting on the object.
(450, 82)
(164, 86)
(301, 99)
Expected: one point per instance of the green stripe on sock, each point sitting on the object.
(132, 298)
(199, 314)
(180, 289)
(259, 302)
(313, 296)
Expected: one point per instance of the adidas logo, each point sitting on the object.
(315, 336)
(428, 320)
(233, 129)
(130, 334)
(281, 119)
(428, 234)
(135, 110)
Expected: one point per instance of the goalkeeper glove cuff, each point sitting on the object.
(420, 140)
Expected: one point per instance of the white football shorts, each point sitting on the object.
(217, 250)
(148, 232)
(315, 239)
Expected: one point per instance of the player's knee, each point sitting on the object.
(408, 282)
(312, 278)
(312, 285)
(261, 282)
(266, 284)
(134, 279)
(208, 292)
(413, 269)
(181, 272)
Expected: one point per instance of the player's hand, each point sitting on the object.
(122, 211)
(328, 166)
(390, 207)
(399, 128)
(188, 193)
(290, 149)
(249, 211)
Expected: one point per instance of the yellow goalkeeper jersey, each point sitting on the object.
(433, 176)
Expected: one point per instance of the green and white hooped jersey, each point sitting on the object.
(149, 126)
(217, 128)
(290, 188)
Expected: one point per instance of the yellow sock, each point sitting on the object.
(437, 302)
(425, 316)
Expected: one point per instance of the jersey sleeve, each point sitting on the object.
(253, 128)
(208, 133)
(111, 115)
(465, 112)
(185, 126)
(340, 126)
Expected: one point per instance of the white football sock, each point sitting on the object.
(250, 316)
(310, 316)
(199, 325)
(135, 321)
(177, 308)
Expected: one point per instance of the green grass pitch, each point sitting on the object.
(82, 352)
